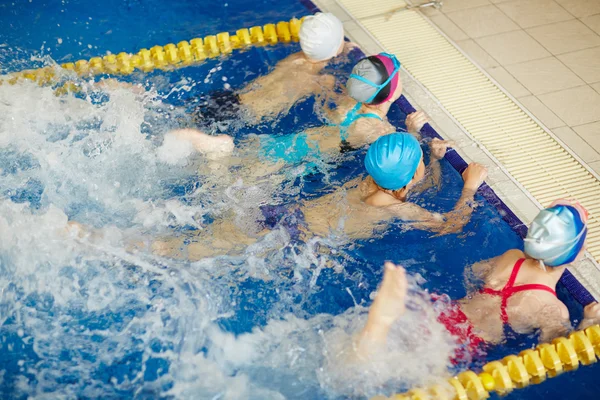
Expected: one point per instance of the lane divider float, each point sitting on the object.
(171, 55)
(531, 366)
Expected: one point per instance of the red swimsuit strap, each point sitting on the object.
(509, 289)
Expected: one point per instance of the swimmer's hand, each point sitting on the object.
(415, 121)
(591, 315)
(438, 148)
(474, 176)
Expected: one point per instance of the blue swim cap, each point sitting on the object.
(556, 235)
(393, 160)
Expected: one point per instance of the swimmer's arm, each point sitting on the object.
(460, 215)
(435, 173)
(591, 316)
(450, 222)
(437, 150)
(432, 178)
(418, 217)
(456, 219)
(553, 320)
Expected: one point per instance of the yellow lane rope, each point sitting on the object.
(531, 366)
(171, 56)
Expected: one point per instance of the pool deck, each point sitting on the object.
(495, 77)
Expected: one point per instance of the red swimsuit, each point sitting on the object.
(509, 289)
(457, 323)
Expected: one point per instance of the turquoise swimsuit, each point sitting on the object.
(294, 149)
(351, 118)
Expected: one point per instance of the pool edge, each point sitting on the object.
(501, 189)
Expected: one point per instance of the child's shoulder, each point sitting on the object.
(381, 199)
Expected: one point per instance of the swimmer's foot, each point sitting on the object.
(76, 230)
(213, 146)
(388, 306)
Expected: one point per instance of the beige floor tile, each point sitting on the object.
(581, 8)
(514, 197)
(339, 12)
(576, 106)
(357, 34)
(482, 21)
(512, 47)
(527, 13)
(544, 75)
(453, 5)
(585, 63)
(449, 28)
(577, 144)
(431, 11)
(541, 112)
(593, 22)
(595, 166)
(596, 86)
(478, 55)
(590, 133)
(474, 154)
(565, 36)
(507, 81)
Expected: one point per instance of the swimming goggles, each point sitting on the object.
(397, 66)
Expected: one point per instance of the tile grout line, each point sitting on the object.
(506, 92)
(583, 140)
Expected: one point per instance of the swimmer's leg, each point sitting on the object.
(388, 306)
(222, 238)
(213, 146)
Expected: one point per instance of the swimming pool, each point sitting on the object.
(100, 323)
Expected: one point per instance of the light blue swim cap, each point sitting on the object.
(393, 160)
(556, 235)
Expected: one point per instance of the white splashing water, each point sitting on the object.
(104, 321)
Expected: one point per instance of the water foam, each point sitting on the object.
(85, 315)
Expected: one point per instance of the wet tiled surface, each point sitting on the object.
(545, 53)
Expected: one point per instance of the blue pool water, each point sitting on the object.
(101, 323)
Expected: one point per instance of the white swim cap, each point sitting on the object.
(321, 36)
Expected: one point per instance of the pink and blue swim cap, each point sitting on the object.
(374, 79)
